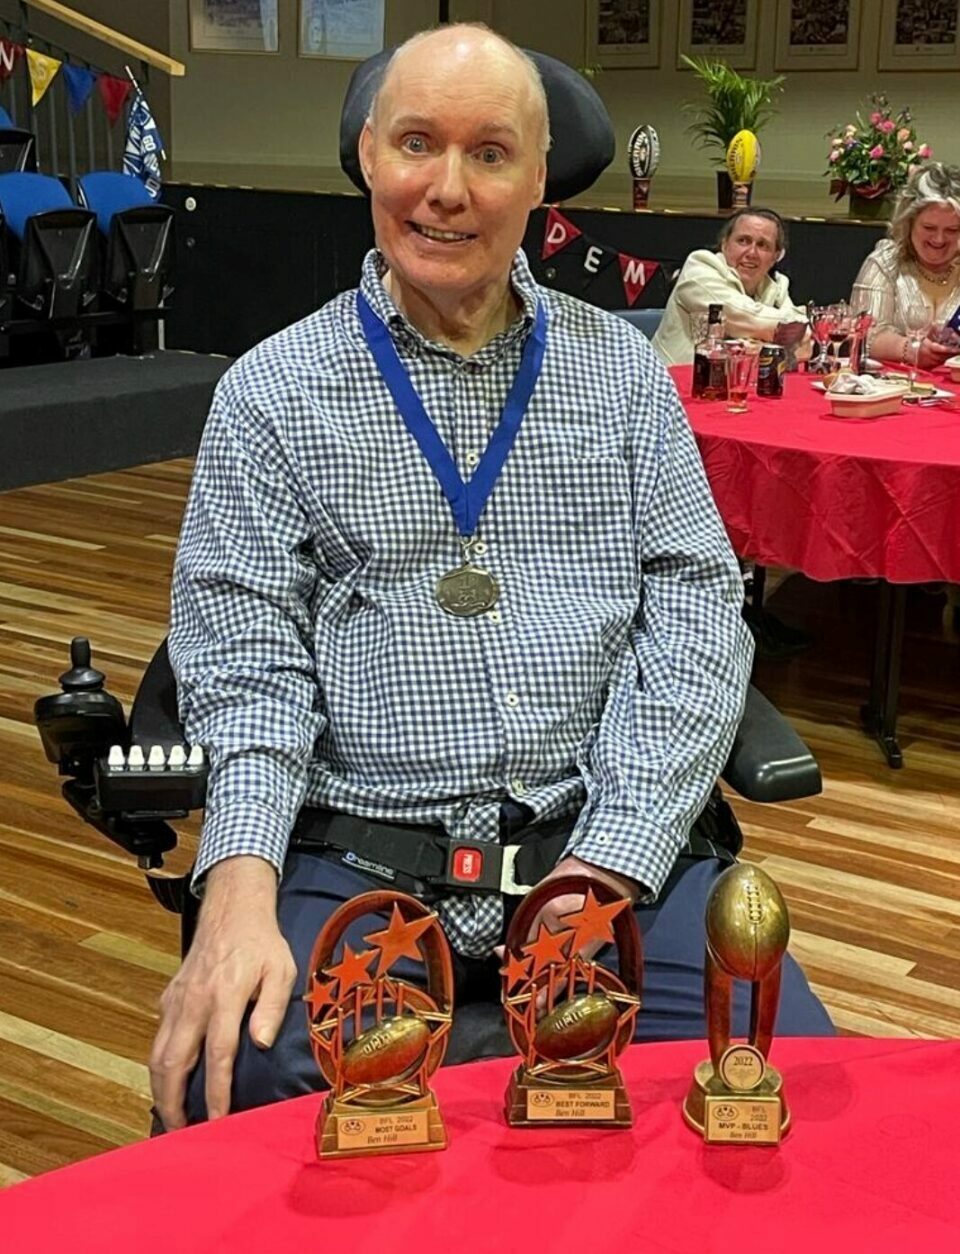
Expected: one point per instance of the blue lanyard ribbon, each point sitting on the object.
(467, 500)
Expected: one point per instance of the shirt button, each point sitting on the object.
(602, 840)
(495, 616)
(479, 548)
(512, 700)
(518, 787)
(472, 457)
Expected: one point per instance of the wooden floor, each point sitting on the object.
(871, 869)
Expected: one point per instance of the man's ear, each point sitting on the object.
(541, 186)
(365, 153)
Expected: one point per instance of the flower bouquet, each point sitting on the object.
(873, 158)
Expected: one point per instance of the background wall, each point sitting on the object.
(272, 120)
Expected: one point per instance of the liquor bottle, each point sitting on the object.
(709, 360)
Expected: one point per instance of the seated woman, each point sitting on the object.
(755, 302)
(917, 263)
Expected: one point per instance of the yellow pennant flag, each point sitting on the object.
(43, 70)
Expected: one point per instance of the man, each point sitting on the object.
(755, 302)
(567, 652)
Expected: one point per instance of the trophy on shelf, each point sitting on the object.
(743, 162)
(376, 1037)
(643, 153)
(570, 1018)
(736, 1097)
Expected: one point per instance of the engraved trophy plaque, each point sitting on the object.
(743, 161)
(736, 1097)
(569, 1017)
(376, 1037)
(643, 155)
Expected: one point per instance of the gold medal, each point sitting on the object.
(467, 591)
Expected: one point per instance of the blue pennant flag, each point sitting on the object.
(141, 157)
(80, 83)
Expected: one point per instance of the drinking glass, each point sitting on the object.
(917, 321)
(821, 322)
(741, 370)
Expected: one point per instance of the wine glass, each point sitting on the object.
(917, 321)
(820, 321)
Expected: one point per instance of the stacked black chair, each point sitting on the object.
(18, 148)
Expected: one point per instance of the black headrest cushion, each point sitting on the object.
(583, 142)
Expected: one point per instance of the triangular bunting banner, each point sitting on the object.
(79, 82)
(10, 54)
(43, 70)
(558, 234)
(595, 261)
(113, 93)
(141, 157)
(636, 274)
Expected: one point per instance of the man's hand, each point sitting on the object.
(568, 903)
(237, 956)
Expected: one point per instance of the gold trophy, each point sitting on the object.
(743, 161)
(377, 1039)
(570, 1018)
(736, 1097)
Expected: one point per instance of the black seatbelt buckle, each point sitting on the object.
(479, 867)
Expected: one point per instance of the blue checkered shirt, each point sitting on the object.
(316, 666)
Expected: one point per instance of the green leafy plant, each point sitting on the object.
(736, 103)
(874, 156)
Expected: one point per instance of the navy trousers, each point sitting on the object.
(673, 943)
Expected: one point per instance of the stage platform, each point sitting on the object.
(80, 418)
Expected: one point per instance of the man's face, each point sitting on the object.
(453, 166)
(751, 249)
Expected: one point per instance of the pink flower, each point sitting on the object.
(886, 126)
(904, 135)
(925, 151)
(876, 151)
(835, 155)
(837, 142)
(908, 145)
(876, 118)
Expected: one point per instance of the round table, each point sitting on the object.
(840, 498)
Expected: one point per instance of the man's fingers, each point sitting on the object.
(174, 1055)
(223, 1037)
(273, 1002)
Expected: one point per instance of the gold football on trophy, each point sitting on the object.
(389, 1052)
(747, 922)
(581, 1028)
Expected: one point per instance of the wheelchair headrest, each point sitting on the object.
(108, 193)
(23, 195)
(582, 146)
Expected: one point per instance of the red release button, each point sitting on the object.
(467, 865)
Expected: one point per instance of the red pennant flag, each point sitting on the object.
(113, 93)
(558, 234)
(636, 274)
(10, 53)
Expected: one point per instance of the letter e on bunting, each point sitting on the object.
(636, 274)
(559, 233)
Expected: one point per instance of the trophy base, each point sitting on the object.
(532, 1103)
(726, 1116)
(348, 1130)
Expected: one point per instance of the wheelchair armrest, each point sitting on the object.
(154, 719)
(769, 761)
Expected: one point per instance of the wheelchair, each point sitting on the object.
(132, 777)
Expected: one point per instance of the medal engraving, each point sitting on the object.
(467, 591)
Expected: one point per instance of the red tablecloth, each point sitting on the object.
(872, 1165)
(835, 498)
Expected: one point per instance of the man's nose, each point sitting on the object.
(449, 185)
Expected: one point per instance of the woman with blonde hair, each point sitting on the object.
(917, 264)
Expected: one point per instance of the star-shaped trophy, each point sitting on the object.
(569, 1017)
(377, 1038)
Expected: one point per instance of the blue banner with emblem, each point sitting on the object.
(141, 157)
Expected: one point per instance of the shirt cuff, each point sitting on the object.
(238, 829)
(624, 844)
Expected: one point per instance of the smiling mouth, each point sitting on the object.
(441, 237)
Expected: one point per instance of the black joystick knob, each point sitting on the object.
(82, 677)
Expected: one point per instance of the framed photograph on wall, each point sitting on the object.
(623, 34)
(234, 26)
(920, 35)
(723, 29)
(348, 29)
(818, 35)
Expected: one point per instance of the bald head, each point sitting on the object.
(473, 45)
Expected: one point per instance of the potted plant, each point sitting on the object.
(736, 103)
(871, 160)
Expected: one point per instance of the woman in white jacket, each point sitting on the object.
(755, 302)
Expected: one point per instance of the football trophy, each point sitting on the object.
(643, 154)
(743, 162)
(570, 1018)
(376, 1037)
(736, 1097)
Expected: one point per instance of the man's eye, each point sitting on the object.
(490, 155)
(415, 143)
